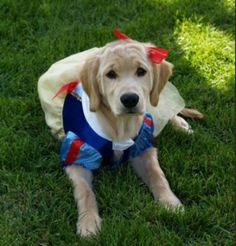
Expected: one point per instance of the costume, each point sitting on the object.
(68, 69)
(87, 146)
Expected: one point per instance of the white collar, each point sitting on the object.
(94, 123)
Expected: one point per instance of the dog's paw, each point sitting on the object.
(88, 224)
(181, 124)
(171, 202)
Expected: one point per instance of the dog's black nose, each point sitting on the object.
(129, 100)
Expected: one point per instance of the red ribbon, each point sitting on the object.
(156, 55)
(67, 87)
(120, 35)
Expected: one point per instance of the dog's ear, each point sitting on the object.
(89, 80)
(161, 74)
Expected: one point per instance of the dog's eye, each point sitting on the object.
(140, 72)
(111, 75)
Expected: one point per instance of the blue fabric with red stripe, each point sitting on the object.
(86, 156)
(94, 149)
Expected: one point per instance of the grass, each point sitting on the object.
(37, 206)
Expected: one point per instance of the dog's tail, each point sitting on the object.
(191, 113)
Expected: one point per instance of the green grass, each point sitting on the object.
(37, 206)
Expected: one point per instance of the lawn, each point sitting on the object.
(37, 205)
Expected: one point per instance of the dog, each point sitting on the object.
(121, 84)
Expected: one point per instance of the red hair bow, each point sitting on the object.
(156, 55)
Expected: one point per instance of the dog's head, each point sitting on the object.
(123, 78)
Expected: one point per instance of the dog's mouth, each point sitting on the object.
(131, 111)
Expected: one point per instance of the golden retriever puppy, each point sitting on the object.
(120, 84)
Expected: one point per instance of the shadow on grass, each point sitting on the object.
(212, 12)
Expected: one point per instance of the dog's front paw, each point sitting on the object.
(88, 224)
(170, 201)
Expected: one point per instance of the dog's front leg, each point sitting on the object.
(147, 167)
(89, 221)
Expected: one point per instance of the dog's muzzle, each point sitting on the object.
(129, 100)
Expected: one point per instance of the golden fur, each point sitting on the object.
(123, 58)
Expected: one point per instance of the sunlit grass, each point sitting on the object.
(209, 50)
